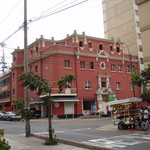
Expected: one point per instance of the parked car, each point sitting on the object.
(10, 116)
(2, 114)
(35, 113)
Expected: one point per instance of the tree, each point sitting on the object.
(35, 82)
(142, 80)
(20, 107)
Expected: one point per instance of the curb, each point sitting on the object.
(71, 119)
(74, 143)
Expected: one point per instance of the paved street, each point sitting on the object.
(89, 131)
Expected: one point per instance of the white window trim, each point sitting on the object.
(104, 65)
(88, 85)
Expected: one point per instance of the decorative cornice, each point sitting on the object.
(17, 66)
(76, 54)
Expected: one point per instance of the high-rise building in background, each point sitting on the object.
(144, 11)
(121, 23)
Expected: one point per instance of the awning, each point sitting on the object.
(123, 101)
(6, 101)
(57, 99)
(65, 99)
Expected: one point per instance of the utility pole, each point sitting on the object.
(130, 59)
(26, 95)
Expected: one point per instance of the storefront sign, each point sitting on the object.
(112, 97)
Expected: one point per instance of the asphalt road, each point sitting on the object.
(90, 131)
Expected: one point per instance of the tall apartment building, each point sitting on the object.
(144, 11)
(121, 22)
(100, 71)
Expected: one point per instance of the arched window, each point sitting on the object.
(118, 50)
(100, 47)
(111, 48)
(81, 44)
(89, 45)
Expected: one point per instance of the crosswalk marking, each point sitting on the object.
(121, 141)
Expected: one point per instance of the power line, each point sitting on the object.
(10, 11)
(53, 7)
(59, 8)
(58, 11)
(30, 21)
(3, 42)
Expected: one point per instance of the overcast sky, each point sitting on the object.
(86, 17)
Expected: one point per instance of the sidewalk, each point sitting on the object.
(20, 142)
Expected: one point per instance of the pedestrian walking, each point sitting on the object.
(99, 113)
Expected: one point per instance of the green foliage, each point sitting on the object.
(136, 79)
(4, 145)
(65, 82)
(34, 82)
(146, 95)
(25, 114)
(142, 80)
(53, 141)
(20, 106)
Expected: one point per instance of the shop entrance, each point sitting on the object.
(89, 106)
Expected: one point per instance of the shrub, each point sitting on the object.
(4, 145)
(54, 141)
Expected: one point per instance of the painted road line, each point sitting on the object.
(81, 129)
(121, 141)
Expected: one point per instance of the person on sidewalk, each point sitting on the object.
(146, 116)
(99, 113)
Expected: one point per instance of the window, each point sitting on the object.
(100, 47)
(137, 23)
(89, 45)
(82, 64)
(37, 50)
(133, 69)
(67, 63)
(141, 60)
(136, 12)
(87, 84)
(103, 84)
(31, 53)
(102, 65)
(36, 69)
(118, 50)
(30, 68)
(117, 85)
(139, 36)
(13, 76)
(111, 48)
(140, 48)
(91, 65)
(81, 44)
(128, 68)
(112, 67)
(13, 91)
(131, 86)
(14, 58)
(120, 68)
